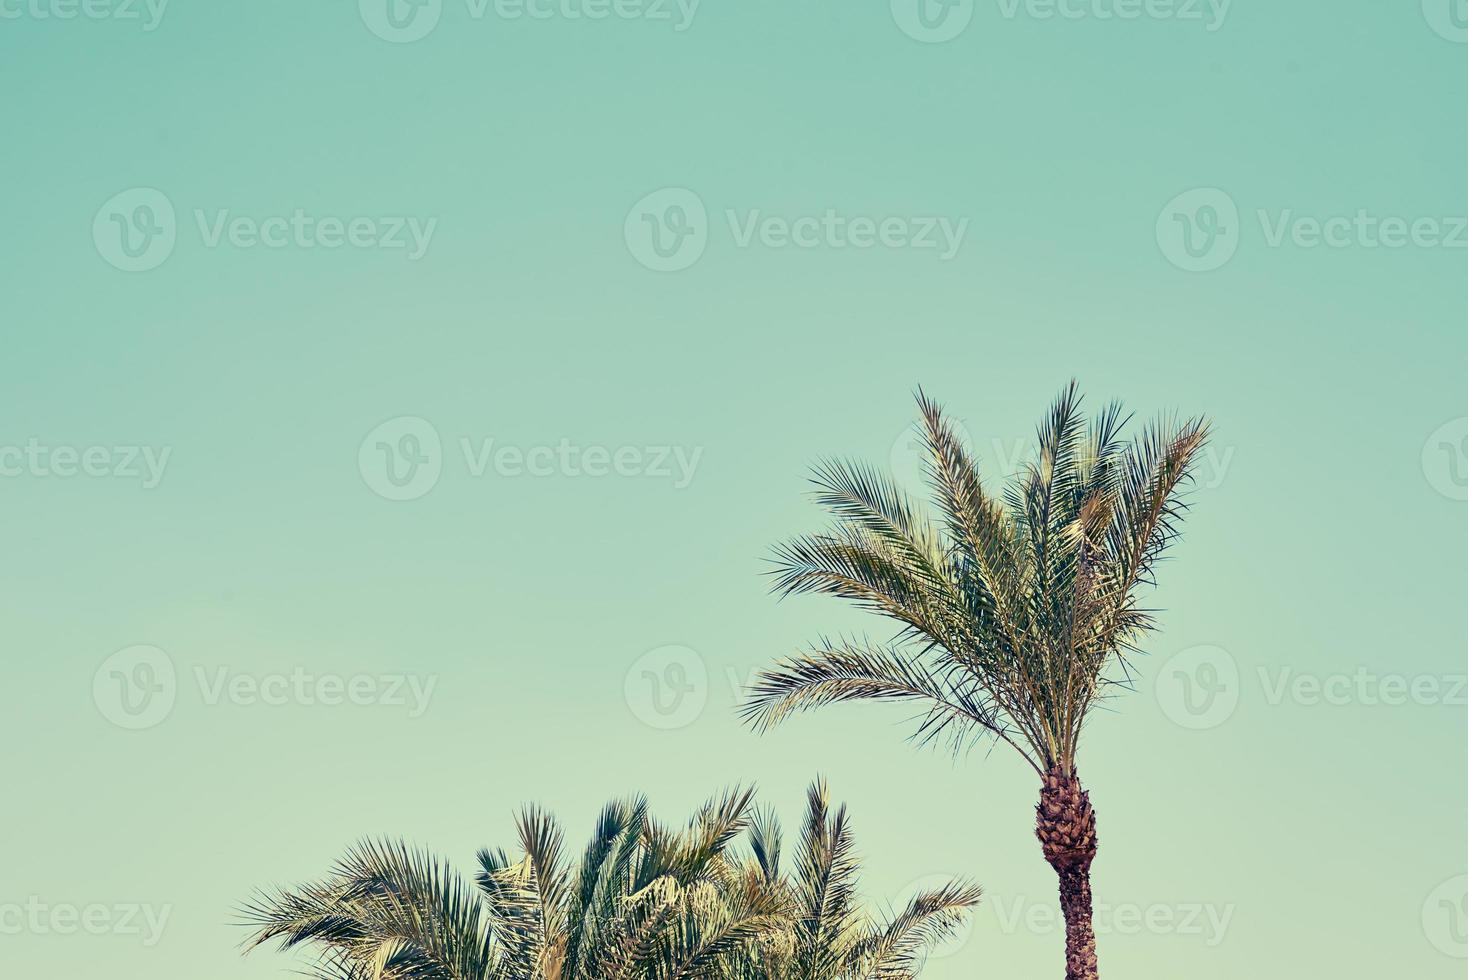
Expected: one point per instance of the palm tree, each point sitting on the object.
(827, 936)
(1017, 611)
(643, 903)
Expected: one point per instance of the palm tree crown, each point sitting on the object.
(643, 903)
(1013, 608)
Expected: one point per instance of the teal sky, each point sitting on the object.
(660, 425)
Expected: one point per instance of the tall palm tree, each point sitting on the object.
(643, 903)
(1016, 611)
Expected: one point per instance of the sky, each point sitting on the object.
(402, 402)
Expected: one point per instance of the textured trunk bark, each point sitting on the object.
(1066, 826)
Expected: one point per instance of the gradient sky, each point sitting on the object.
(1144, 204)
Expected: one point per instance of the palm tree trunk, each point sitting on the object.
(1066, 826)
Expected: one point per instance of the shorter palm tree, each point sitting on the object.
(826, 935)
(643, 903)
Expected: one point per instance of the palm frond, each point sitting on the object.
(855, 670)
(387, 912)
(896, 949)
